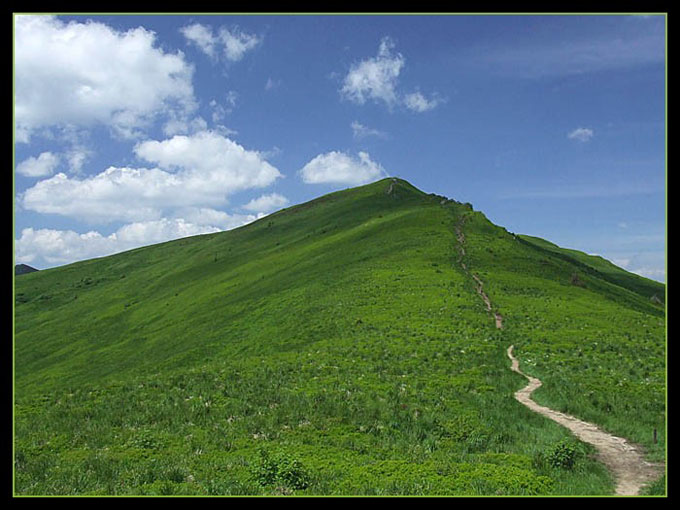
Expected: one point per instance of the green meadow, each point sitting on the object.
(333, 348)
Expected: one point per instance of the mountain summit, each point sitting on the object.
(353, 344)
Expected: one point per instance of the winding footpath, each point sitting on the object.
(624, 460)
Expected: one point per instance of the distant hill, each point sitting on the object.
(597, 265)
(23, 269)
(336, 347)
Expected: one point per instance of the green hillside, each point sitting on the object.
(333, 347)
(603, 269)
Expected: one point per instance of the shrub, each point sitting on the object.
(280, 470)
(562, 455)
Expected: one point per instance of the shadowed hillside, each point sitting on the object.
(23, 269)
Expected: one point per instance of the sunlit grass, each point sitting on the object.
(331, 348)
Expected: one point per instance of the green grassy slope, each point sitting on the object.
(598, 346)
(602, 268)
(335, 347)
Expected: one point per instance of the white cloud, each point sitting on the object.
(41, 166)
(76, 158)
(419, 103)
(360, 131)
(271, 154)
(581, 134)
(338, 167)
(219, 111)
(126, 194)
(375, 78)
(66, 246)
(84, 74)
(201, 36)
(232, 95)
(182, 126)
(60, 246)
(643, 255)
(212, 217)
(266, 203)
(654, 273)
(56, 247)
(623, 262)
(210, 161)
(236, 43)
(233, 44)
(195, 171)
(164, 229)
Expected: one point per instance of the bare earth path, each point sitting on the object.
(478, 283)
(623, 459)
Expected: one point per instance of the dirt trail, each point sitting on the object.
(478, 283)
(623, 459)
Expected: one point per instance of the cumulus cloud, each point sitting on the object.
(60, 246)
(375, 78)
(202, 36)
(41, 166)
(56, 247)
(360, 131)
(338, 167)
(76, 158)
(214, 218)
(419, 103)
(581, 134)
(210, 161)
(236, 43)
(182, 125)
(116, 194)
(233, 43)
(266, 203)
(85, 74)
(195, 171)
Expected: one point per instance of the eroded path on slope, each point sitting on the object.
(478, 283)
(623, 459)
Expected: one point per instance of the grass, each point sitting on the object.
(598, 347)
(332, 348)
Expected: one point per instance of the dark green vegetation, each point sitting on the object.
(335, 347)
(23, 269)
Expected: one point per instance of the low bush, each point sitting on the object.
(562, 455)
(281, 471)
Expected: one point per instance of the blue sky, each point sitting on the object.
(132, 130)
